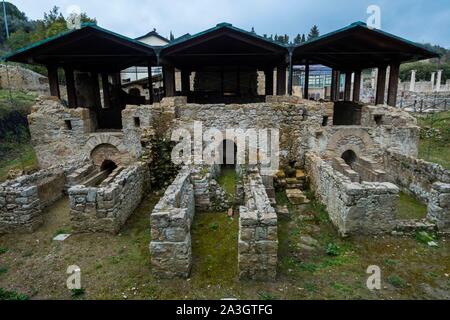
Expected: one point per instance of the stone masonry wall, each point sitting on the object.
(415, 175)
(58, 134)
(439, 206)
(354, 208)
(22, 199)
(258, 236)
(19, 78)
(171, 219)
(107, 208)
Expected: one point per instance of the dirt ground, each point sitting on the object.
(314, 263)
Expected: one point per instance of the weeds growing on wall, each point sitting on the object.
(159, 146)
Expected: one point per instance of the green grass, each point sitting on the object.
(3, 250)
(12, 295)
(227, 180)
(24, 159)
(214, 248)
(18, 100)
(410, 208)
(435, 138)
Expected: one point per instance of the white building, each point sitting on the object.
(131, 74)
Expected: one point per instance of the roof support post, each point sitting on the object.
(53, 81)
(291, 71)
(357, 86)
(150, 84)
(70, 85)
(185, 82)
(105, 86)
(335, 75)
(268, 73)
(348, 86)
(381, 85)
(169, 80)
(281, 80)
(96, 88)
(306, 85)
(393, 84)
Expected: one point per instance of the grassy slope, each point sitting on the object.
(16, 155)
(435, 143)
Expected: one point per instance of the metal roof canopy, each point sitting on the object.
(89, 48)
(357, 47)
(223, 45)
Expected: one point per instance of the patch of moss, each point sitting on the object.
(214, 251)
(410, 208)
(12, 295)
(227, 180)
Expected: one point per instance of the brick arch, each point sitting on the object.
(101, 147)
(360, 142)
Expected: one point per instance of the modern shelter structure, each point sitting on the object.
(219, 64)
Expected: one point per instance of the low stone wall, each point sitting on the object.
(171, 219)
(414, 175)
(439, 206)
(354, 208)
(19, 78)
(22, 199)
(258, 237)
(106, 209)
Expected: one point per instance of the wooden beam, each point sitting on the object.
(381, 85)
(306, 84)
(268, 73)
(281, 80)
(169, 80)
(393, 84)
(334, 85)
(53, 81)
(70, 85)
(185, 82)
(105, 87)
(357, 86)
(150, 84)
(291, 72)
(348, 86)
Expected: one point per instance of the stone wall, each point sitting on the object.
(22, 199)
(22, 79)
(106, 208)
(354, 208)
(59, 134)
(171, 219)
(412, 174)
(439, 206)
(258, 235)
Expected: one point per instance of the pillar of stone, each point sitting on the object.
(412, 84)
(438, 81)
(169, 80)
(381, 85)
(53, 81)
(348, 86)
(394, 72)
(357, 86)
(268, 74)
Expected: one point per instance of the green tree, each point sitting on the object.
(171, 36)
(313, 33)
(298, 39)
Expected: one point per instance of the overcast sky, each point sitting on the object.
(417, 20)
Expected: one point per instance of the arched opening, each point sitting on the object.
(228, 151)
(349, 157)
(108, 165)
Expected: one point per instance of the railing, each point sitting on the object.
(424, 104)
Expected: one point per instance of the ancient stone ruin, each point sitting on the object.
(355, 169)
